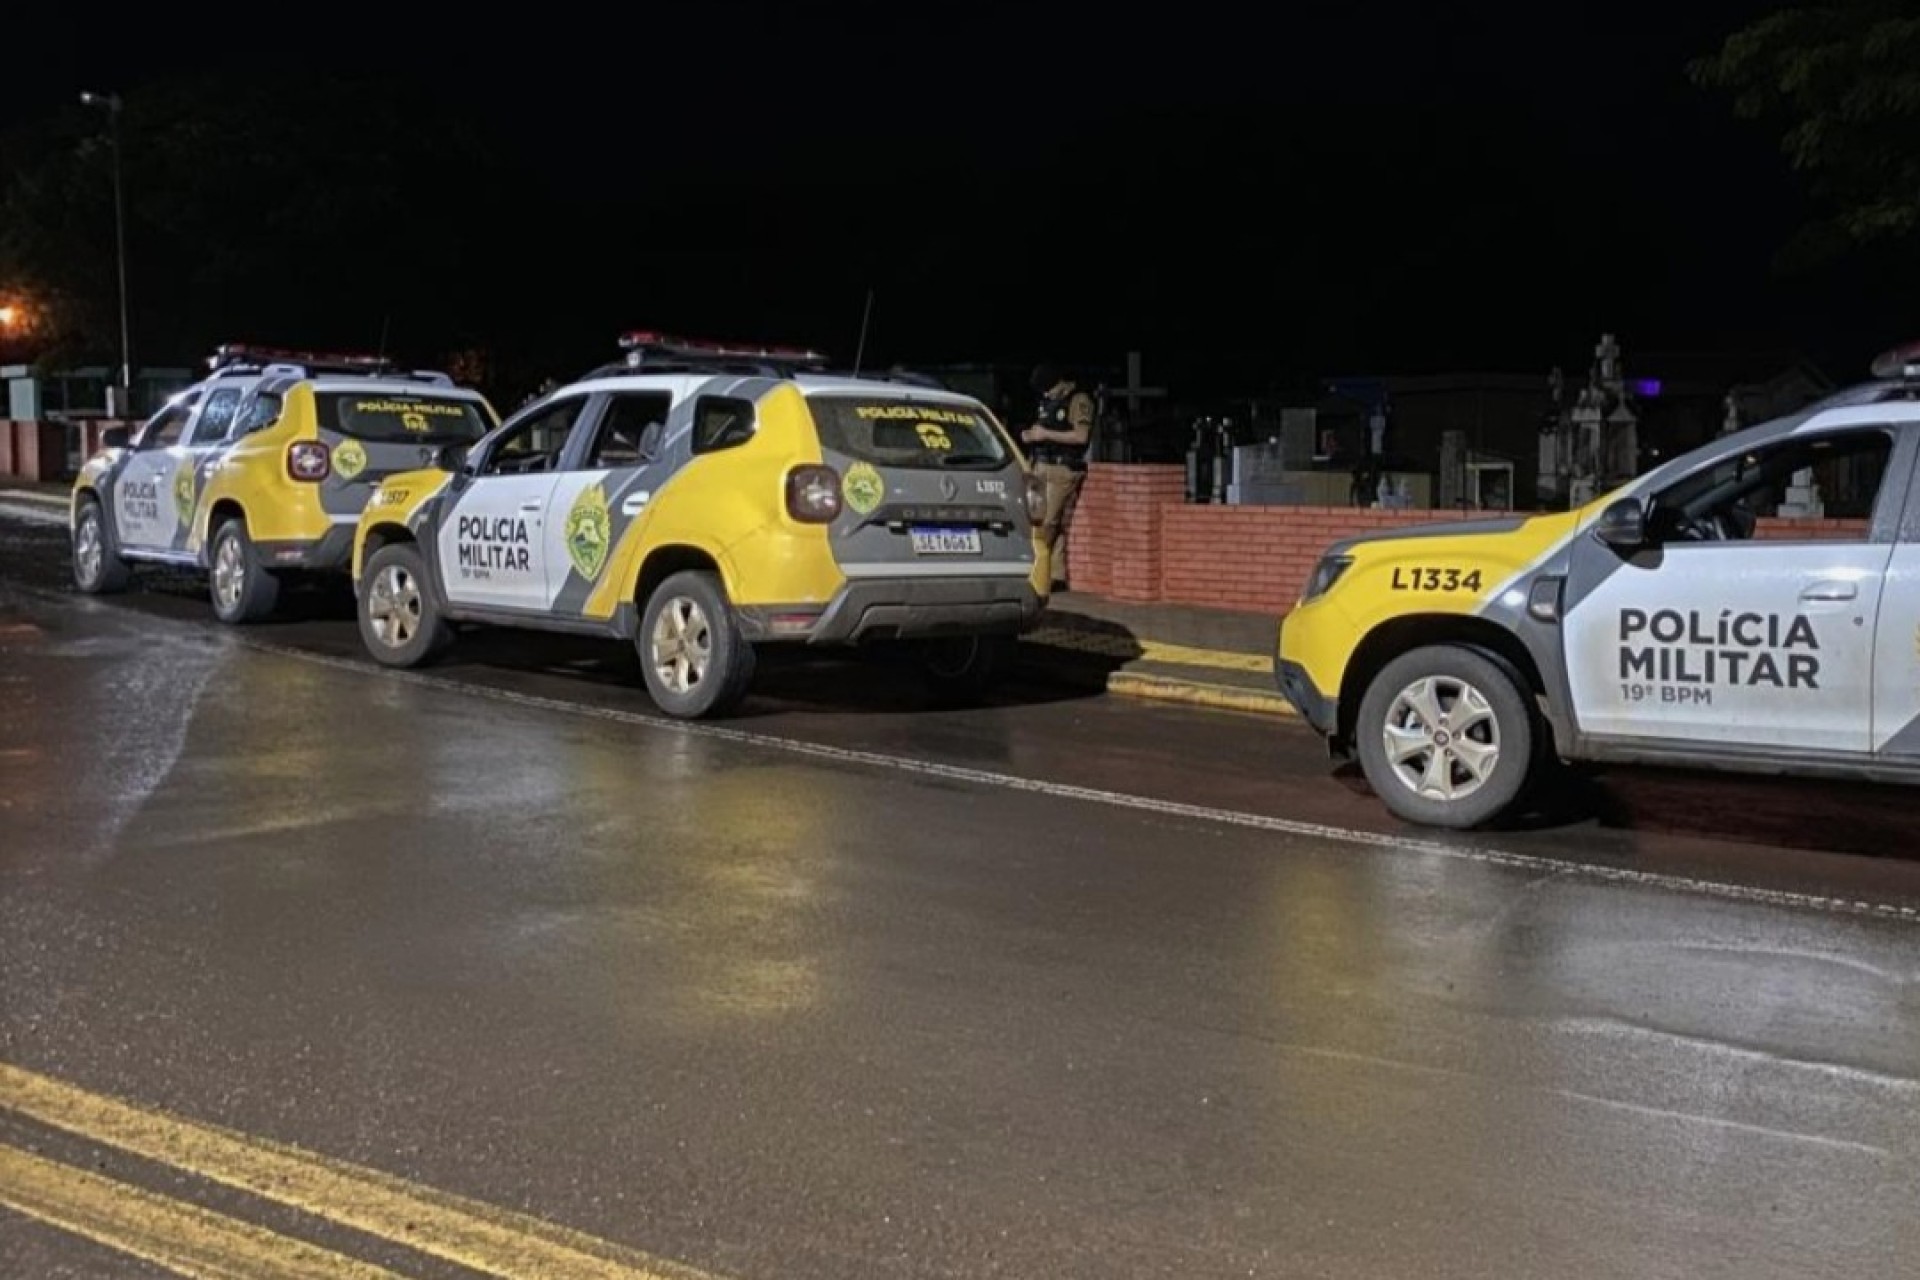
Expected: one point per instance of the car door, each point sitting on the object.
(207, 435)
(596, 501)
(1896, 648)
(1748, 618)
(491, 545)
(146, 517)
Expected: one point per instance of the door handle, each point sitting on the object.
(1830, 590)
(534, 505)
(634, 503)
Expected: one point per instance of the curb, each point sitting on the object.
(1219, 697)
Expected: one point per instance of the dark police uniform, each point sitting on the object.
(1062, 466)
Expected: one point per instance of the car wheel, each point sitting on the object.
(960, 670)
(1446, 737)
(695, 660)
(97, 566)
(399, 621)
(243, 589)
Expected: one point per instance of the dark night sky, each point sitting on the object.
(1323, 189)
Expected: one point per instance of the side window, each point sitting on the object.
(163, 430)
(217, 416)
(1835, 478)
(535, 443)
(721, 422)
(630, 430)
(260, 413)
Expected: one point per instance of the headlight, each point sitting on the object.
(1324, 575)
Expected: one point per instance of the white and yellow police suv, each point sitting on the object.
(1649, 626)
(701, 499)
(260, 470)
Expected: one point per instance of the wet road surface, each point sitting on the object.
(1065, 986)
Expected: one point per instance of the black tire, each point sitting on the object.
(242, 589)
(963, 670)
(705, 668)
(98, 569)
(1508, 720)
(400, 620)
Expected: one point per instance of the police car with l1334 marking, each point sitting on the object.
(1752, 605)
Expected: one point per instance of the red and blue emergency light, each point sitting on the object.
(640, 343)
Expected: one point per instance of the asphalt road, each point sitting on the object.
(847, 986)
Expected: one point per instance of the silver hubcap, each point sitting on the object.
(393, 606)
(682, 645)
(229, 572)
(1442, 738)
(88, 553)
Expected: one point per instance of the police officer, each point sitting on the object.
(1061, 432)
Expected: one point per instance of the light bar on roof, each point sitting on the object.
(1901, 362)
(249, 353)
(640, 341)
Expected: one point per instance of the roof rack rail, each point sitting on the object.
(907, 377)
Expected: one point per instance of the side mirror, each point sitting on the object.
(450, 457)
(1623, 525)
(115, 437)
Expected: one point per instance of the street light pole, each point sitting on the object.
(111, 103)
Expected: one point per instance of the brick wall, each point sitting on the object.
(1134, 538)
(1810, 529)
(1258, 558)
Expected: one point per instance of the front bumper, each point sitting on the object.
(901, 609)
(1295, 686)
(330, 553)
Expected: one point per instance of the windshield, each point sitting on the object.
(908, 433)
(401, 417)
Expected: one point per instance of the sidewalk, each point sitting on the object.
(1217, 658)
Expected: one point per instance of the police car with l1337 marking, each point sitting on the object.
(700, 499)
(1752, 605)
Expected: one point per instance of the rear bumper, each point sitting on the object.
(902, 609)
(1322, 713)
(330, 553)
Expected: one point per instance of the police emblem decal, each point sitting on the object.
(863, 488)
(589, 532)
(185, 489)
(349, 460)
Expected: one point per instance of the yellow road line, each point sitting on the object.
(1121, 646)
(495, 1241)
(1220, 697)
(1186, 656)
(170, 1233)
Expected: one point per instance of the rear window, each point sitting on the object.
(385, 416)
(905, 433)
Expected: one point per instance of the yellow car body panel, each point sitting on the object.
(1397, 577)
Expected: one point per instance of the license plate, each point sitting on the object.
(946, 542)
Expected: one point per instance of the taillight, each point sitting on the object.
(813, 494)
(1036, 498)
(309, 460)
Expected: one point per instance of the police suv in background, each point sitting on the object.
(701, 499)
(1649, 626)
(261, 470)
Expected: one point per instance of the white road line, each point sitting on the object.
(1067, 791)
(1117, 799)
(39, 514)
